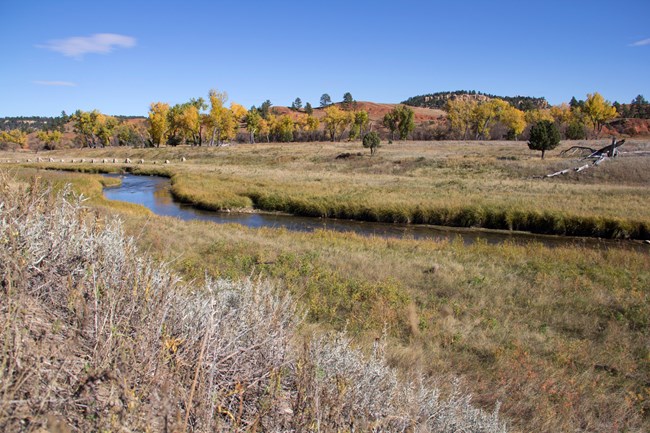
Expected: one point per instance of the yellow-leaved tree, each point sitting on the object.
(252, 120)
(238, 111)
(93, 128)
(535, 116)
(459, 113)
(562, 113)
(485, 114)
(514, 119)
(336, 121)
(359, 125)
(158, 122)
(283, 128)
(311, 126)
(15, 136)
(598, 111)
(49, 138)
(265, 127)
(222, 120)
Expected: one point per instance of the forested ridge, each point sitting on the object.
(439, 99)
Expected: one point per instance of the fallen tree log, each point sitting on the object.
(557, 173)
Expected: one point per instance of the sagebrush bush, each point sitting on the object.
(98, 337)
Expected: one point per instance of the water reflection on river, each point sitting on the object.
(153, 193)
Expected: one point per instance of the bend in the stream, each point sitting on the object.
(153, 192)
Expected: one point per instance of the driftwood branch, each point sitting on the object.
(574, 149)
(609, 151)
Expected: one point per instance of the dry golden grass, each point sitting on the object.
(560, 335)
(491, 184)
(98, 337)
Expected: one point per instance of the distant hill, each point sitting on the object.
(439, 100)
(29, 123)
(35, 123)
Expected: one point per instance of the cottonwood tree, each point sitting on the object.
(130, 135)
(93, 127)
(459, 113)
(158, 122)
(515, 120)
(197, 131)
(390, 121)
(359, 124)
(105, 128)
(406, 121)
(598, 111)
(49, 138)
(265, 127)
(222, 120)
(183, 120)
(544, 136)
(283, 128)
(485, 115)
(252, 121)
(536, 116)
(563, 116)
(238, 111)
(336, 122)
(311, 126)
(562, 113)
(15, 136)
(400, 119)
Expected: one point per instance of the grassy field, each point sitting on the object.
(560, 336)
(493, 184)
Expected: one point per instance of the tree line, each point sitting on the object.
(214, 121)
(496, 118)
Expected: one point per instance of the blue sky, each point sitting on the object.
(119, 56)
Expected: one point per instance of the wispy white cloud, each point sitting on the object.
(78, 46)
(56, 83)
(641, 43)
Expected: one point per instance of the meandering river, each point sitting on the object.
(154, 193)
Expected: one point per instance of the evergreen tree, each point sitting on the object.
(265, 109)
(325, 100)
(297, 104)
(544, 136)
(371, 140)
(308, 109)
(348, 101)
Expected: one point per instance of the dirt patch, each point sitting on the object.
(347, 155)
(628, 127)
